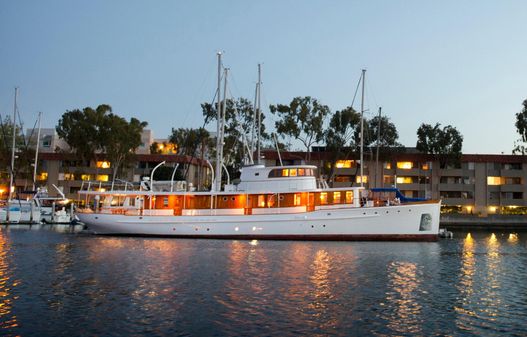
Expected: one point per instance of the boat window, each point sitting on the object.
(298, 199)
(285, 173)
(165, 201)
(336, 197)
(292, 172)
(261, 201)
(349, 197)
(324, 198)
(301, 172)
(281, 197)
(225, 198)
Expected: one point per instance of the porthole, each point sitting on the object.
(281, 198)
(225, 198)
(233, 198)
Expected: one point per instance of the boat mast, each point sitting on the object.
(378, 143)
(13, 148)
(362, 131)
(36, 151)
(258, 114)
(219, 145)
(223, 113)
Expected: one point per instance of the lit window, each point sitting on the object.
(336, 197)
(43, 176)
(388, 166)
(425, 166)
(261, 201)
(85, 177)
(349, 197)
(102, 177)
(344, 163)
(103, 164)
(285, 173)
(292, 172)
(298, 199)
(324, 198)
(404, 165)
(301, 172)
(404, 180)
(69, 176)
(364, 179)
(494, 181)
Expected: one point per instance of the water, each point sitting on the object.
(63, 284)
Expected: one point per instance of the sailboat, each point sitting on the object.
(278, 202)
(18, 210)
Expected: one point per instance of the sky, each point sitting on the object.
(459, 63)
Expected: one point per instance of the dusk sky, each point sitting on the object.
(462, 63)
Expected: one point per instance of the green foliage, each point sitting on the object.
(303, 119)
(239, 123)
(521, 128)
(388, 133)
(92, 131)
(445, 142)
(25, 154)
(190, 142)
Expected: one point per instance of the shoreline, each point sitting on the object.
(496, 221)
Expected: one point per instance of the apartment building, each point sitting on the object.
(478, 184)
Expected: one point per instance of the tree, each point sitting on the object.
(341, 136)
(302, 119)
(82, 130)
(90, 132)
(388, 133)
(521, 128)
(239, 123)
(22, 150)
(121, 139)
(444, 142)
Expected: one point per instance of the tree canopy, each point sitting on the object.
(90, 132)
(239, 123)
(446, 142)
(302, 119)
(521, 128)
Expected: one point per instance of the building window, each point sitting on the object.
(103, 164)
(343, 179)
(405, 180)
(388, 166)
(85, 177)
(363, 179)
(102, 177)
(42, 176)
(494, 181)
(345, 164)
(511, 166)
(390, 180)
(69, 176)
(405, 165)
(46, 141)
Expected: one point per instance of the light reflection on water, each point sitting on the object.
(66, 284)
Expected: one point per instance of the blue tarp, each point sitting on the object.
(398, 194)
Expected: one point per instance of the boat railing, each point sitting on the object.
(117, 185)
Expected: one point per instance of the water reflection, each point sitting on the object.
(8, 319)
(404, 280)
(466, 283)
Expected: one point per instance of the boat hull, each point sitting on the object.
(410, 222)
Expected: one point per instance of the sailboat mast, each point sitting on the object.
(258, 113)
(11, 176)
(223, 113)
(378, 144)
(362, 131)
(219, 145)
(36, 151)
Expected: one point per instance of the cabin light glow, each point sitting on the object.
(102, 177)
(349, 197)
(469, 209)
(324, 198)
(85, 177)
(336, 197)
(492, 209)
(297, 199)
(404, 165)
(42, 176)
(292, 172)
